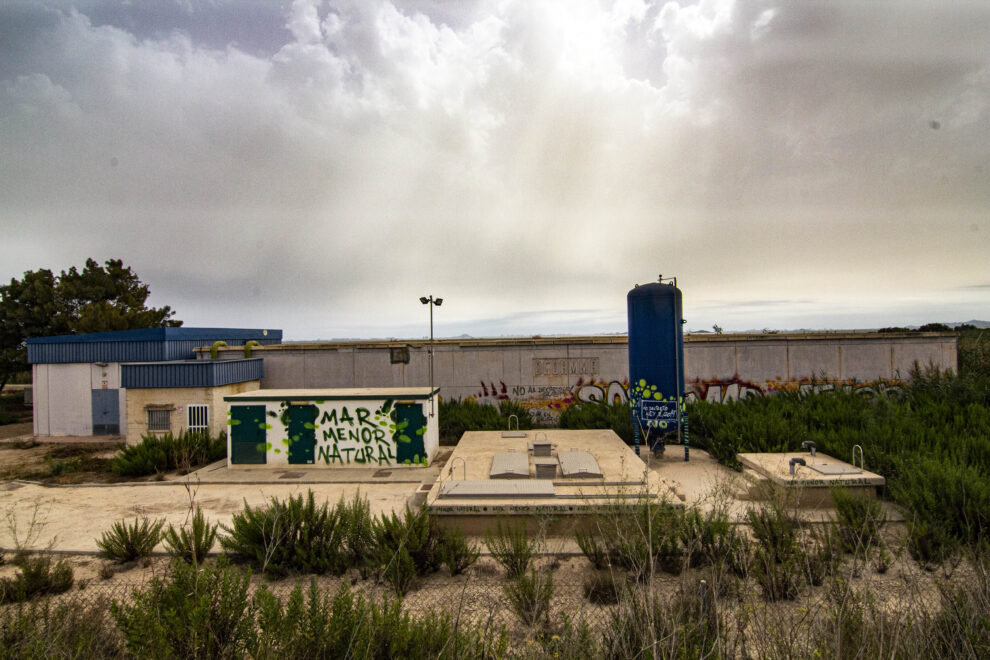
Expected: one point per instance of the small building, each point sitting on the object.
(135, 382)
(363, 427)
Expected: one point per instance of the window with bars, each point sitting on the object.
(159, 420)
(198, 417)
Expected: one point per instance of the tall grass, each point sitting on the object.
(157, 454)
(613, 416)
(931, 440)
(458, 416)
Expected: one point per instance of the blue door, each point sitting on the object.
(106, 412)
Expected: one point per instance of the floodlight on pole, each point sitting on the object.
(432, 302)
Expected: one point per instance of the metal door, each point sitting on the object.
(248, 441)
(410, 425)
(106, 412)
(302, 434)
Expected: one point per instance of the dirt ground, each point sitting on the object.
(16, 430)
(72, 518)
(74, 463)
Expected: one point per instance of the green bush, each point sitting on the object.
(930, 543)
(193, 612)
(399, 571)
(860, 519)
(685, 625)
(457, 552)
(601, 588)
(593, 548)
(157, 454)
(192, 544)
(73, 628)
(614, 416)
(930, 438)
(529, 596)
(709, 538)
(511, 547)
(821, 553)
(407, 547)
(457, 417)
(39, 575)
(125, 542)
(638, 538)
(415, 532)
(358, 532)
(291, 535)
(344, 625)
(777, 562)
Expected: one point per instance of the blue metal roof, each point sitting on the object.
(192, 373)
(144, 345)
(163, 334)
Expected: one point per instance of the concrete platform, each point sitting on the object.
(625, 479)
(811, 482)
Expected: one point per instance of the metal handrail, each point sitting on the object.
(862, 462)
(450, 470)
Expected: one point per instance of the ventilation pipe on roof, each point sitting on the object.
(247, 347)
(796, 461)
(215, 349)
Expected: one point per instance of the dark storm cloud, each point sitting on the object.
(328, 163)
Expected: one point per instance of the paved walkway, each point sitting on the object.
(72, 518)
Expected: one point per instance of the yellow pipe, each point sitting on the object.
(247, 347)
(215, 349)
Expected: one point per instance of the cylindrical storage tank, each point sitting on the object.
(656, 351)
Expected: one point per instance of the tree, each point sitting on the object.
(98, 299)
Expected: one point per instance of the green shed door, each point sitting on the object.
(247, 435)
(410, 425)
(302, 434)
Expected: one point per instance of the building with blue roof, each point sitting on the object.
(135, 382)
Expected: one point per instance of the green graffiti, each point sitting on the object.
(421, 430)
(233, 422)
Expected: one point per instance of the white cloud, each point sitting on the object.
(510, 156)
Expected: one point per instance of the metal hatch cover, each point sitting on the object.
(578, 463)
(834, 468)
(509, 465)
(487, 488)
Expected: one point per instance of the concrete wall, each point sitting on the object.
(63, 398)
(349, 433)
(179, 398)
(548, 374)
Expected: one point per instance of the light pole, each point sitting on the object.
(431, 301)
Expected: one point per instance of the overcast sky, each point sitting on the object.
(319, 166)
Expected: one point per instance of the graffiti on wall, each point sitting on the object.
(546, 402)
(344, 433)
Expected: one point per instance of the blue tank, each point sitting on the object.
(656, 357)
